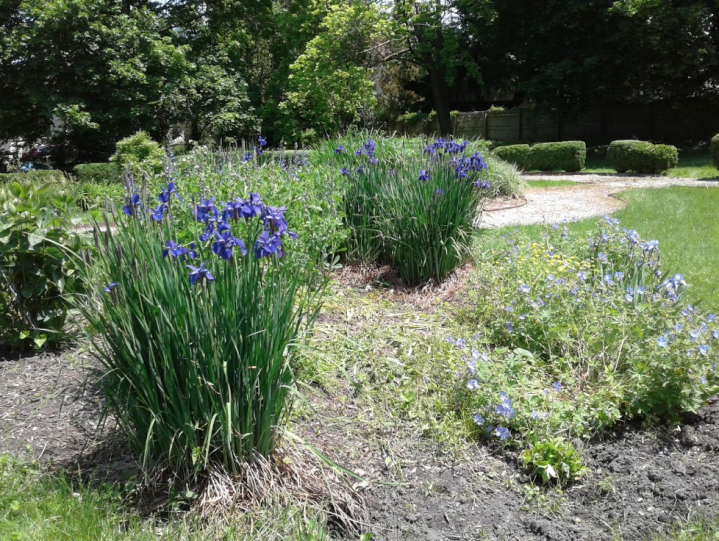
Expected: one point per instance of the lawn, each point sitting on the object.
(692, 164)
(535, 184)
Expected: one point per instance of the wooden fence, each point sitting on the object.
(598, 126)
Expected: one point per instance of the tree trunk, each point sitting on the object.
(440, 97)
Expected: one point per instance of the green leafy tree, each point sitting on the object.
(107, 68)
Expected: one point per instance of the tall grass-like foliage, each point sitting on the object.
(412, 206)
(196, 338)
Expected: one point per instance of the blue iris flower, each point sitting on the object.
(340, 149)
(267, 245)
(167, 192)
(173, 249)
(423, 175)
(224, 244)
(199, 274)
(132, 204)
(345, 172)
(159, 213)
(109, 287)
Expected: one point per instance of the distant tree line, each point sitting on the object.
(298, 69)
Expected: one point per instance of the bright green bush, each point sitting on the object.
(714, 150)
(43, 176)
(39, 253)
(566, 155)
(140, 154)
(641, 157)
(198, 363)
(516, 154)
(98, 173)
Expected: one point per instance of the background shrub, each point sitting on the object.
(98, 173)
(566, 155)
(37, 266)
(516, 154)
(714, 150)
(37, 177)
(140, 154)
(641, 157)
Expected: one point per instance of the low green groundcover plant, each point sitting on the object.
(582, 334)
(196, 326)
(39, 253)
(412, 209)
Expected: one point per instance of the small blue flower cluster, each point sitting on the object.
(446, 146)
(217, 219)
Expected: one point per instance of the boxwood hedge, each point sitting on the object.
(567, 155)
(516, 154)
(641, 157)
(714, 149)
(98, 173)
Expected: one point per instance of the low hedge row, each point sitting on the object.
(516, 154)
(641, 157)
(98, 173)
(33, 176)
(714, 150)
(566, 155)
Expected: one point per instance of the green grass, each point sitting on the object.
(37, 505)
(692, 164)
(698, 529)
(549, 183)
(682, 219)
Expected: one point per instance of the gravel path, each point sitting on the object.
(592, 197)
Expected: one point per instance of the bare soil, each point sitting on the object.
(641, 482)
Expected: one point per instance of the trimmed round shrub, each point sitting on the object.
(567, 155)
(98, 173)
(641, 157)
(516, 154)
(714, 150)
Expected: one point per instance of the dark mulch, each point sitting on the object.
(49, 408)
(642, 480)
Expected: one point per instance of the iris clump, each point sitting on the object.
(411, 207)
(195, 331)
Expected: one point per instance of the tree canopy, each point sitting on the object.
(230, 68)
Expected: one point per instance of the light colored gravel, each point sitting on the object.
(593, 197)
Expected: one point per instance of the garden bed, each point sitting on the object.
(641, 481)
